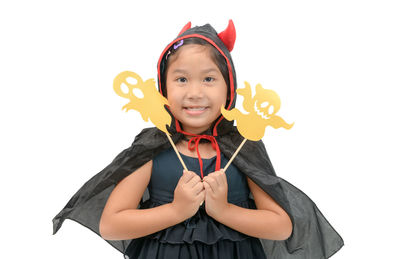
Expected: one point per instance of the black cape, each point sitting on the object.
(312, 236)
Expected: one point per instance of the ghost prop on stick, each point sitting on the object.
(150, 104)
(261, 112)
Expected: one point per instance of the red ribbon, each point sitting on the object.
(194, 144)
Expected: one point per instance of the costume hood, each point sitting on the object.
(312, 237)
(224, 43)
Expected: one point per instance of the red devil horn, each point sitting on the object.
(228, 36)
(186, 27)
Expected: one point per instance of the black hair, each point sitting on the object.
(216, 56)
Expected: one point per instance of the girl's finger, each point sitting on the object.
(222, 177)
(211, 182)
(194, 180)
(201, 195)
(187, 176)
(207, 187)
(216, 176)
(198, 187)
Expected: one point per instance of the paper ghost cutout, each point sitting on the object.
(261, 112)
(151, 105)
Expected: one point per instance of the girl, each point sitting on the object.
(204, 212)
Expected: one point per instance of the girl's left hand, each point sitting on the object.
(216, 198)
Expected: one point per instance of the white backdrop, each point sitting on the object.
(335, 65)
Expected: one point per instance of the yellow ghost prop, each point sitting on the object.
(150, 105)
(261, 112)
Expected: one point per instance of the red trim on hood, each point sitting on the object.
(185, 28)
(232, 87)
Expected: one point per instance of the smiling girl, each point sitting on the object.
(245, 212)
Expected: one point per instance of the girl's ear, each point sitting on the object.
(185, 28)
(228, 36)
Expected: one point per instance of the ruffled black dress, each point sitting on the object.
(199, 236)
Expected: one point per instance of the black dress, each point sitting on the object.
(199, 236)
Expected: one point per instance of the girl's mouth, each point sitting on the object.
(195, 110)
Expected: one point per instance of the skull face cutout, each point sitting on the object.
(261, 108)
(266, 102)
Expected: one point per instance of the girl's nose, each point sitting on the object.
(195, 91)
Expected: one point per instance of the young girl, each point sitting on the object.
(146, 206)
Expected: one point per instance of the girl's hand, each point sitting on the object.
(188, 195)
(216, 193)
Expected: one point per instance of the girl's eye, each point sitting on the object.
(181, 80)
(208, 79)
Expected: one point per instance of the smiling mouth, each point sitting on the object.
(195, 110)
(260, 113)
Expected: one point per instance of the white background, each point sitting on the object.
(335, 65)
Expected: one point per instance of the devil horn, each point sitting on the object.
(228, 36)
(186, 27)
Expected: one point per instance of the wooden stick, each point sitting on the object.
(234, 155)
(176, 151)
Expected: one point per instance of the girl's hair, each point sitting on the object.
(216, 56)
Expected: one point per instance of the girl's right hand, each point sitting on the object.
(189, 194)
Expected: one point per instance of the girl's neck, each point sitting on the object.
(206, 150)
(195, 131)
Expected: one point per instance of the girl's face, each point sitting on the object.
(196, 88)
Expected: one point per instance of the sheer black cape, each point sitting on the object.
(312, 236)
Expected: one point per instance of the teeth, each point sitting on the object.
(195, 108)
(260, 113)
